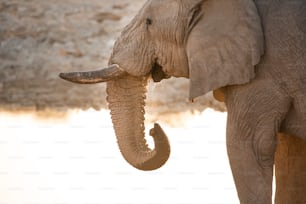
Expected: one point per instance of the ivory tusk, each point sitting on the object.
(92, 77)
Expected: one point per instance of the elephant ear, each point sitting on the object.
(223, 45)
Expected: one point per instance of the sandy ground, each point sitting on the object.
(41, 38)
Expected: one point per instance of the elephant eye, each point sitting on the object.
(149, 21)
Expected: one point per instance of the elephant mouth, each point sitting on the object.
(158, 73)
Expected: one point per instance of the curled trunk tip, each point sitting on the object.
(161, 151)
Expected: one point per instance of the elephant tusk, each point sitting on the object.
(92, 77)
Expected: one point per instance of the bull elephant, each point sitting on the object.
(252, 54)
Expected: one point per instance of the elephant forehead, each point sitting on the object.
(162, 9)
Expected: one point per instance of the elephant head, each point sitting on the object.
(214, 43)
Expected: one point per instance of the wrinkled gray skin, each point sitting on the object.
(261, 66)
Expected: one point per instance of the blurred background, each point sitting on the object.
(57, 144)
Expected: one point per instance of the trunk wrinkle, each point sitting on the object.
(126, 98)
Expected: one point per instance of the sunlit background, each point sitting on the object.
(75, 159)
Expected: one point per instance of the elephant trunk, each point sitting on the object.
(126, 98)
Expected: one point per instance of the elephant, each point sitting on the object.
(250, 53)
